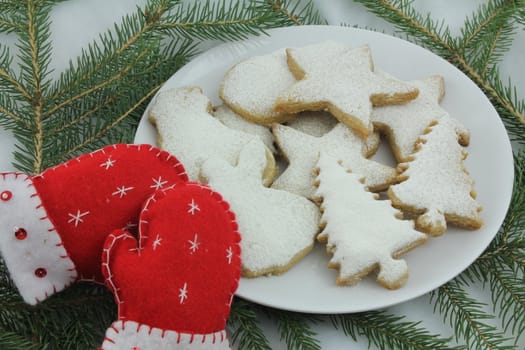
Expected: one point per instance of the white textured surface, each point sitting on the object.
(302, 152)
(276, 226)
(252, 86)
(187, 129)
(437, 182)
(361, 230)
(76, 23)
(407, 122)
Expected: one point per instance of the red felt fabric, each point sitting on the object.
(187, 268)
(92, 195)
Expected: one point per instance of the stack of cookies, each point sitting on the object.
(290, 149)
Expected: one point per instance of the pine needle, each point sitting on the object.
(466, 316)
(246, 331)
(502, 265)
(295, 330)
(387, 331)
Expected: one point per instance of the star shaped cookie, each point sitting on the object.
(302, 152)
(336, 77)
(404, 124)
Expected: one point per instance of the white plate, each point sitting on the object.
(310, 285)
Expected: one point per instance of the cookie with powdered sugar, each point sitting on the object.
(361, 232)
(404, 124)
(251, 87)
(341, 79)
(185, 127)
(302, 152)
(235, 121)
(434, 183)
(278, 228)
(319, 123)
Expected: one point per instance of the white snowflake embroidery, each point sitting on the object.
(157, 242)
(229, 254)
(77, 218)
(194, 244)
(158, 183)
(108, 163)
(122, 191)
(193, 207)
(183, 293)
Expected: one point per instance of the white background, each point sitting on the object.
(76, 23)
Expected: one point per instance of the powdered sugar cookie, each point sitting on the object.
(251, 87)
(302, 152)
(186, 128)
(315, 123)
(278, 228)
(435, 184)
(319, 123)
(336, 77)
(235, 121)
(403, 124)
(362, 233)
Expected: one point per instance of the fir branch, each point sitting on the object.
(298, 12)
(295, 330)
(387, 331)
(468, 319)
(9, 87)
(9, 18)
(12, 341)
(436, 36)
(73, 115)
(244, 323)
(84, 309)
(8, 83)
(35, 51)
(104, 130)
(487, 35)
(502, 265)
(234, 20)
(420, 28)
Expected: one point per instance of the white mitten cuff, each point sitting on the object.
(133, 335)
(32, 249)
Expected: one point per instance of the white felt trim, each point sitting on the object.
(130, 334)
(41, 249)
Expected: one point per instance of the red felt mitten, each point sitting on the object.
(55, 224)
(174, 286)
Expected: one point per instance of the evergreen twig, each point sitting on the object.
(466, 316)
(387, 331)
(245, 327)
(295, 330)
(234, 20)
(502, 265)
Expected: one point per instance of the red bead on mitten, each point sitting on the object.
(54, 224)
(174, 285)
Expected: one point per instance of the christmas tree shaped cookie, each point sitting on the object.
(302, 152)
(361, 233)
(341, 79)
(186, 128)
(435, 184)
(278, 228)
